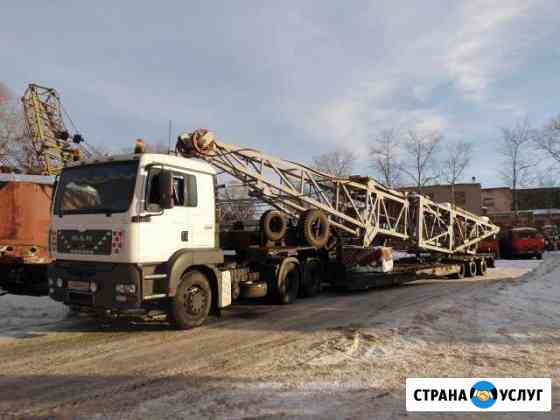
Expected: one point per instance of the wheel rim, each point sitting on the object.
(195, 300)
(317, 229)
(276, 224)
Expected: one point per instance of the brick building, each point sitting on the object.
(467, 196)
(497, 200)
(536, 206)
(538, 198)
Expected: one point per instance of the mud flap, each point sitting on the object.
(224, 289)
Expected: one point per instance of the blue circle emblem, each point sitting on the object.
(483, 394)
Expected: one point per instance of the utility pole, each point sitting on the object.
(169, 138)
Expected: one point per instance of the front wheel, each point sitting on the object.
(192, 302)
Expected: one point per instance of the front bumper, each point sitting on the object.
(76, 278)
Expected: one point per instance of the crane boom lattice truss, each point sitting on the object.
(359, 206)
(52, 144)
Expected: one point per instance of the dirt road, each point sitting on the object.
(332, 356)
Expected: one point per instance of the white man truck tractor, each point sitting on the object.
(137, 235)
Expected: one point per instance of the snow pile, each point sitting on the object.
(18, 313)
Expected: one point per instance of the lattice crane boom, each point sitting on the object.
(359, 206)
(52, 143)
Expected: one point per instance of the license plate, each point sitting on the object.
(78, 285)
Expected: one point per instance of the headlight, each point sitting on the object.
(51, 281)
(93, 287)
(51, 290)
(126, 289)
(59, 282)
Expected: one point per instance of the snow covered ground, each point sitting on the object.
(334, 356)
(18, 314)
(505, 328)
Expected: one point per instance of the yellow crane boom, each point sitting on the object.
(52, 143)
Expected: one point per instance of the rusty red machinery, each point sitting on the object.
(24, 215)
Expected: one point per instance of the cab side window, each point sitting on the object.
(178, 190)
(184, 190)
(191, 192)
(153, 196)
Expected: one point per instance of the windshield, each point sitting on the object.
(102, 188)
(525, 234)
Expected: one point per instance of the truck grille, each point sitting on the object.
(89, 242)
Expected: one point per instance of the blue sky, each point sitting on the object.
(293, 78)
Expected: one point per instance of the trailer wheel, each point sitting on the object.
(312, 277)
(470, 269)
(491, 263)
(192, 302)
(287, 281)
(273, 225)
(314, 226)
(481, 267)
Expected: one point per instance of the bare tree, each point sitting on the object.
(16, 148)
(7, 126)
(548, 139)
(458, 156)
(420, 163)
(235, 203)
(385, 157)
(339, 162)
(518, 159)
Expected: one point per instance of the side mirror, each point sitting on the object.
(166, 189)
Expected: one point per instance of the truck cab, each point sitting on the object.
(522, 242)
(127, 230)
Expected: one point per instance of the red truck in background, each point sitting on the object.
(522, 242)
(25, 202)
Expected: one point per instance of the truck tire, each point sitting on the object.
(312, 277)
(539, 256)
(481, 267)
(314, 227)
(273, 224)
(470, 269)
(287, 282)
(491, 263)
(192, 302)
